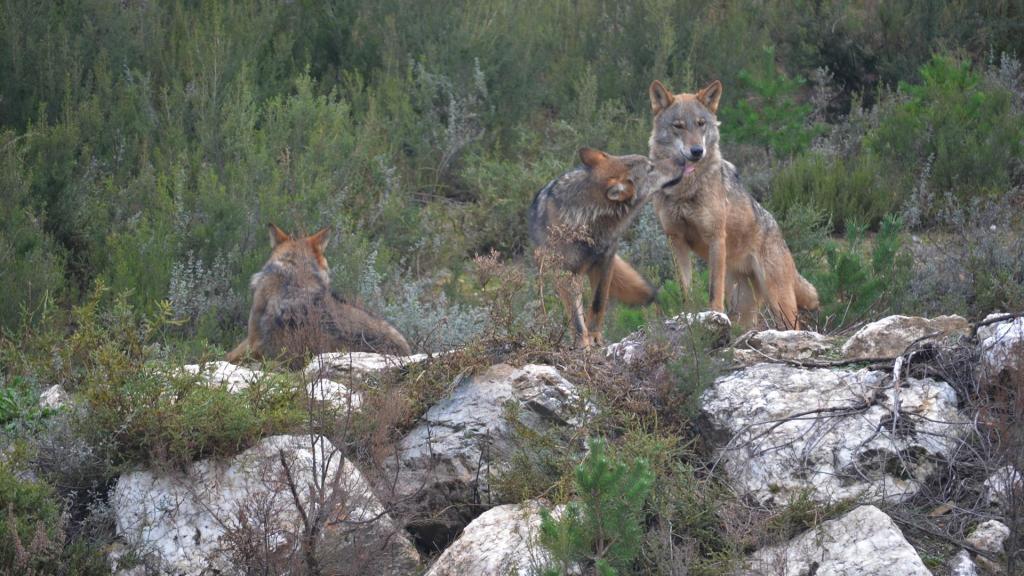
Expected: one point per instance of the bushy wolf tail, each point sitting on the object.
(628, 286)
(806, 294)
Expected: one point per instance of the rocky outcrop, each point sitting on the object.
(865, 542)
(792, 345)
(835, 434)
(890, 337)
(674, 333)
(446, 462)
(245, 513)
(502, 540)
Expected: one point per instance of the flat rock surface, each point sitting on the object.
(792, 345)
(338, 364)
(890, 336)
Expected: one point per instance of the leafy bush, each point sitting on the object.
(604, 527)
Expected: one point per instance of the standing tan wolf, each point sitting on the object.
(575, 223)
(709, 212)
(294, 313)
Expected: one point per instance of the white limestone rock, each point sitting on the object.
(989, 536)
(335, 394)
(1001, 349)
(963, 565)
(336, 365)
(781, 431)
(446, 462)
(220, 373)
(54, 398)
(502, 540)
(782, 345)
(865, 542)
(890, 336)
(192, 523)
(1002, 485)
(631, 349)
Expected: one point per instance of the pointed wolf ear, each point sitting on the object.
(277, 236)
(320, 239)
(661, 98)
(592, 157)
(710, 95)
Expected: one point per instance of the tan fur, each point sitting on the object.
(294, 313)
(711, 214)
(628, 286)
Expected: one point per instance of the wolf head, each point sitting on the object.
(627, 180)
(302, 257)
(685, 125)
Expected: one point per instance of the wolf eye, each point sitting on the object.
(700, 122)
(679, 124)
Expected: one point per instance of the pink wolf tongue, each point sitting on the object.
(689, 168)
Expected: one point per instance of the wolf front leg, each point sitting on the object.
(600, 282)
(716, 263)
(570, 291)
(684, 266)
(252, 344)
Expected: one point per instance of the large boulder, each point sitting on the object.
(890, 336)
(446, 463)
(676, 332)
(237, 516)
(865, 542)
(502, 540)
(782, 431)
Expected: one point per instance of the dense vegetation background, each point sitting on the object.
(147, 144)
(144, 146)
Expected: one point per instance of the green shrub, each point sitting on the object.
(33, 538)
(853, 285)
(964, 128)
(845, 190)
(770, 115)
(604, 527)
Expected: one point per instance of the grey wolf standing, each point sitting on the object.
(709, 212)
(294, 312)
(576, 221)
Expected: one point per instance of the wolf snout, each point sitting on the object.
(696, 152)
